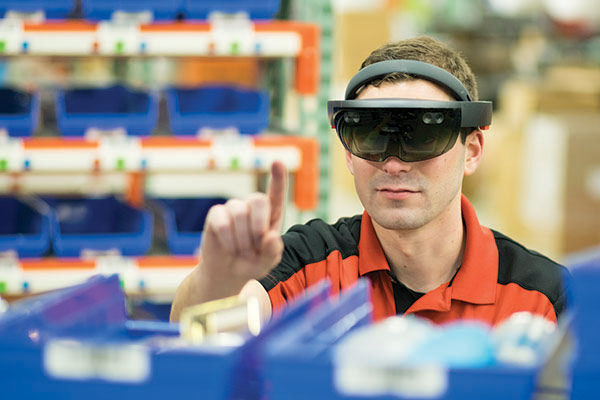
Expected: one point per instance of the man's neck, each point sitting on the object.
(424, 258)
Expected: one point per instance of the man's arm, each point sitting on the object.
(241, 243)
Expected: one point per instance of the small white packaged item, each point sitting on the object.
(371, 360)
(523, 339)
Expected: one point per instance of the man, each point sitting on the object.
(419, 241)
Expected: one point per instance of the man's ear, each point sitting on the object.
(349, 162)
(473, 151)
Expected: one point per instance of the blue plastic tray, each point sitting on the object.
(303, 353)
(103, 9)
(99, 224)
(217, 107)
(106, 109)
(52, 8)
(585, 269)
(82, 310)
(256, 9)
(288, 374)
(25, 227)
(184, 221)
(19, 111)
(207, 371)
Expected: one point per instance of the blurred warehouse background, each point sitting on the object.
(537, 60)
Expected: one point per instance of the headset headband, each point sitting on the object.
(416, 68)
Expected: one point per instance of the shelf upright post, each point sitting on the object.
(313, 111)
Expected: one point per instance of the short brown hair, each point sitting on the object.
(425, 49)
(429, 50)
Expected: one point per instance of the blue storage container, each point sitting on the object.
(299, 362)
(19, 111)
(100, 225)
(25, 226)
(184, 221)
(106, 109)
(209, 371)
(217, 107)
(103, 9)
(82, 310)
(52, 8)
(256, 9)
(585, 364)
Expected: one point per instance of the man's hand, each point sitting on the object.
(242, 238)
(241, 242)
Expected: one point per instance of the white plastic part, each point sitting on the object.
(523, 338)
(371, 361)
(70, 359)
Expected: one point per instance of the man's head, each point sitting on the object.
(396, 127)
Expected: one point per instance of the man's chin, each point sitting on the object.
(395, 219)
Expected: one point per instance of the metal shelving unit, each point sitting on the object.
(137, 166)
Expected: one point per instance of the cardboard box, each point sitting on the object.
(539, 181)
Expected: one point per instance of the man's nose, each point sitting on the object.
(393, 165)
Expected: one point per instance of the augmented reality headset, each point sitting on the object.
(410, 129)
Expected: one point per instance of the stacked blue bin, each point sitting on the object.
(19, 111)
(585, 269)
(99, 225)
(184, 220)
(256, 9)
(25, 227)
(217, 107)
(109, 108)
(91, 317)
(304, 353)
(298, 359)
(52, 9)
(103, 9)
(81, 310)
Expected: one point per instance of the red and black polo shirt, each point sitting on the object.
(497, 277)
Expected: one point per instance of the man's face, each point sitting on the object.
(400, 195)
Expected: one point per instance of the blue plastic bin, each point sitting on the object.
(217, 107)
(99, 224)
(106, 109)
(256, 9)
(53, 9)
(184, 221)
(82, 310)
(19, 111)
(25, 226)
(103, 9)
(206, 371)
(299, 362)
(585, 364)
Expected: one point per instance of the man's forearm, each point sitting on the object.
(196, 289)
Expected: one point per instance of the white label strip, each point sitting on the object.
(71, 359)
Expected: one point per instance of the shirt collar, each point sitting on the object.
(371, 257)
(476, 280)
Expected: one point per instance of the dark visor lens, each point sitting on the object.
(409, 134)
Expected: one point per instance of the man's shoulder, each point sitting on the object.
(529, 269)
(516, 253)
(316, 239)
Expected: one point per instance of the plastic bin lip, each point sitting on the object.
(19, 117)
(128, 229)
(265, 9)
(29, 242)
(52, 9)
(136, 111)
(101, 10)
(148, 96)
(217, 107)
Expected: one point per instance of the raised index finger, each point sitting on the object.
(276, 193)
